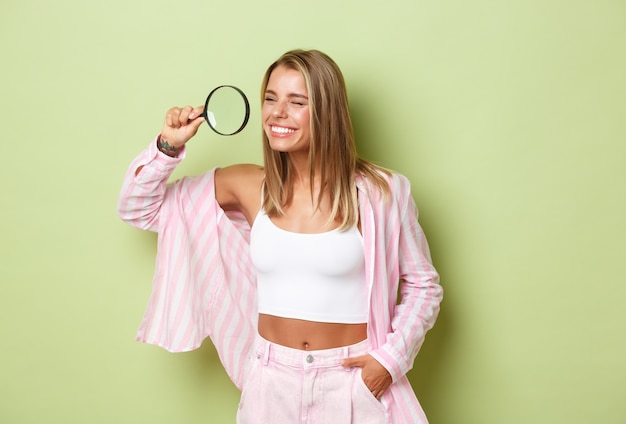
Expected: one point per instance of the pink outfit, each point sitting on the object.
(309, 387)
(204, 282)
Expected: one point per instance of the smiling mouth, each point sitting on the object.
(281, 130)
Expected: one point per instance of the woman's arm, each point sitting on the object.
(420, 291)
(146, 179)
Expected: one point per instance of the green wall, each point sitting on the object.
(508, 117)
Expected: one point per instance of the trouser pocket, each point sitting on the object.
(366, 409)
(249, 401)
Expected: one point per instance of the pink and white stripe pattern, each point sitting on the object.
(204, 284)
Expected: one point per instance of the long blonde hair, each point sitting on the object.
(332, 150)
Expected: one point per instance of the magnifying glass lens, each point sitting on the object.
(227, 110)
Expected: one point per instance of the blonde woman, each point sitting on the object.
(310, 274)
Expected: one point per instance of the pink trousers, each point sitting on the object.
(291, 386)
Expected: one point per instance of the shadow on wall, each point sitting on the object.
(426, 377)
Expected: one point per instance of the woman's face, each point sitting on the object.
(285, 114)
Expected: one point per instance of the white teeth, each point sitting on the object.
(282, 130)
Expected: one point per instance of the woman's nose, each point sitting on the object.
(280, 110)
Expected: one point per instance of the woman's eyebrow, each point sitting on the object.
(290, 95)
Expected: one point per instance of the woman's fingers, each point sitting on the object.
(181, 124)
(196, 113)
(185, 115)
(375, 376)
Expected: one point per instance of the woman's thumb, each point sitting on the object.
(353, 362)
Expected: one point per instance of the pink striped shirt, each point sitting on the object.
(204, 284)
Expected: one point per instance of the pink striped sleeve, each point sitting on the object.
(406, 257)
(141, 195)
(203, 285)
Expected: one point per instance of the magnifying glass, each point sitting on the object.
(226, 110)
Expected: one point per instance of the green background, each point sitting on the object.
(509, 118)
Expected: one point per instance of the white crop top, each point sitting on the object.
(315, 277)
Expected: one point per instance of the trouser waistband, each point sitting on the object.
(307, 359)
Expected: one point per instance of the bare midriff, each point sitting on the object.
(309, 335)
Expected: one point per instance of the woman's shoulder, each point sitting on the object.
(232, 175)
(241, 170)
(240, 175)
(238, 187)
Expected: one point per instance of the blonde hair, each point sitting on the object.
(332, 150)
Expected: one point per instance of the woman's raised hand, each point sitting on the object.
(181, 124)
